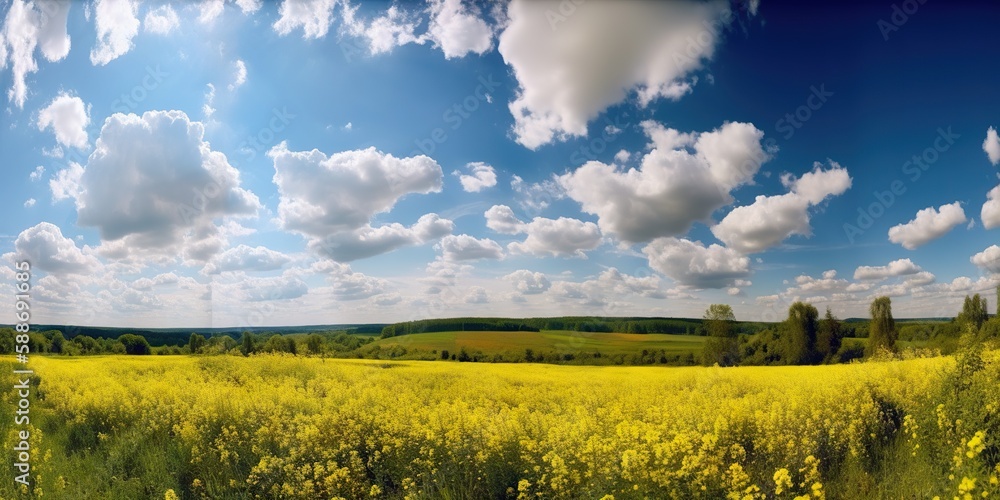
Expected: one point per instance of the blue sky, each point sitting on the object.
(308, 162)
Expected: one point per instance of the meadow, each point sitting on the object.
(281, 426)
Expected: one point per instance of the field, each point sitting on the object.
(297, 427)
(548, 340)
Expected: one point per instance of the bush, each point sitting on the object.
(134, 344)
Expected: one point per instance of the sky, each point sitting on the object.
(246, 163)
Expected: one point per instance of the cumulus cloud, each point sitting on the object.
(68, 118)
(501, 219)
(30, 25)
(153, 184)
(313, 16)
(117, 25)
(480, 177)
(477, 295)
(48, 250)
(392, 29)
(992, 145)
(672, 188)
(30, 202)
(464, 247)
(527, 282)
(772, 219)
(562, 237)
(246, 258)
(901, 267)
(239, 76)
(349, 285)
(545, 237)
(988, 259)
(694, 265)
(161, 20)
(571, 68)
(457, 29)
(990, 213)
(929, 225)
(332, 199)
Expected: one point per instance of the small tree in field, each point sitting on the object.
(196, 343)
(314, 343)
(828, 337)
(973, 312)
(798, 334)
(882, 332)
(722, 346)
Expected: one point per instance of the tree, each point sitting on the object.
(247, 343)
(722, 346)
(196, 343)
(882, 332)
(57, 343)
(973, 313)
(134, 344)
(799, 334)
(314, 343)
(828, 337)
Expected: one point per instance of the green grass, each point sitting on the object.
(547, 340)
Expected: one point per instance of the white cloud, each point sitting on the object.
(571, 68)
(116, 24)
(272, 288)
(457, 29)
(672, 188)
(161, 20)
(501, 219)
(30, 202)
(240, 76)
(27, 26)
(990, 213)
(477, 295)
(313, 16)
(534, 198)
(246, 258)
(37, 173)
(153, 184)
(622, 156)
(527, 282)
(482, 176)
(694, 265)
(48, 250)
(988, 259)
(393, 29)
(929, 225)
(562, 237)
(249, 6)
(901, 267)
(992, 145)
(208, 10)
(349, 285)
(772, 219)
(332, 199)
(207, 108)
(464, 247)
(68, 117)
(158, 280)
(66, 183)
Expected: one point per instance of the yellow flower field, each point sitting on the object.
(297, 427)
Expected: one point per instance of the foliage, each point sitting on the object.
(798, 334)
(883, 332)
(974, 313)
(722, 346)
(134, 344)
(229, 427)
(196, 343)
